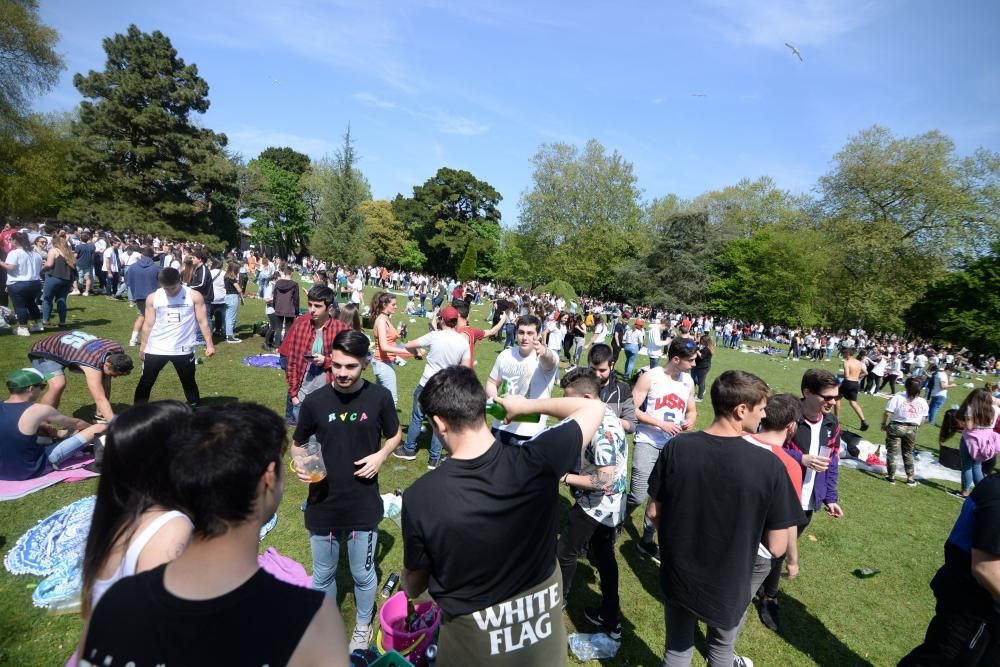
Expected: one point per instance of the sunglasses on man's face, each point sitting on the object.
(827, 399)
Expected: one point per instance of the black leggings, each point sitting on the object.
(278, 329)
(700, 375)
(152, 364)
(891, 381)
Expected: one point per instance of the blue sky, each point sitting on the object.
(481, 85)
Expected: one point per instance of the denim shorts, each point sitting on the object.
(47, 367)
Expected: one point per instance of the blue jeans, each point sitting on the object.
(24, 294)
(386, 376)
(654, 361)
(55, 290)
(60, 451)
(262, 282)
(936, 403)
(361, 544)
(416, 418)
(631, 352)
(232, 307)
(509, 329)
(972, 471)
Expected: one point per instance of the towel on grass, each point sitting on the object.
(73, 472)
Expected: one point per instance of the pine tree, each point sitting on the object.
(139, 162)
(467, 269)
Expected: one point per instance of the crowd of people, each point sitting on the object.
(170, 572)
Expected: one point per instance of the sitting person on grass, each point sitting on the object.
(23, 420)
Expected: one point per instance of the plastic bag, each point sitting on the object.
(593, 647)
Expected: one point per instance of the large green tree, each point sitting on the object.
(287, 158)
(340, 189)
(676, 270)
(581, 219)
(387, 236)
(140, 161)
(770, 277)
(277, 208)
(752, 205)
(447, 212)
(511, 268)
(35, 161)
(29, 64)
(963, 307)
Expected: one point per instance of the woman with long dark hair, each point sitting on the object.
(703, 364)
(136, 525)
(350, 315)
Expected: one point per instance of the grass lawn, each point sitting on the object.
(829, 617)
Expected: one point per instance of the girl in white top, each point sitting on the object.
(134, 527)
(24, 268)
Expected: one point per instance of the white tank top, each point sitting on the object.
(174, 330)
(127, 567)
(667, 400)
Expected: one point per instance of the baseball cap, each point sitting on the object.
(23, 378)
(639, 323)
(448, 314)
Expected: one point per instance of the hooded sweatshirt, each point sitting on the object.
(286, 298)
(141, 278)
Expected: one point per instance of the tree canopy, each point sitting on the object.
(447, 212)
(341, 188)
(139, 162)
(29, 64)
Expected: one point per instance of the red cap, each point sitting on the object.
(448, 314)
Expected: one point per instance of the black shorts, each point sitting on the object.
(849, 389)
(140, 305)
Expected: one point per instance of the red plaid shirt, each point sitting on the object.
(299, 342)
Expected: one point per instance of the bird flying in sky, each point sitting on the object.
(795, 51)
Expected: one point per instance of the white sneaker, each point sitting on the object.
(37, 327)
(22, 331)
(4, 324)
(361, 638)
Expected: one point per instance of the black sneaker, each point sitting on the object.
(768, 612)
(612, 630)
(432, 464)
(864, 425)
(401, 452)
(912, 482)
(650, 550)
(891, 480)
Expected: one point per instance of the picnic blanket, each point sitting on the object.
(926, 467)
(54, 548)
(263, 361)
(73, 472)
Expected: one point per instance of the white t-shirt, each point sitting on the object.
(557, 334)
(27, 266)
(357, 288)
(903, 410)
(525, 377)
(940, 378)
(444, 348)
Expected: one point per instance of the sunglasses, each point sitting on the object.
(828, 399)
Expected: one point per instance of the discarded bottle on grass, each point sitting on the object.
(390, 585)
(866, 572)
(70, 605)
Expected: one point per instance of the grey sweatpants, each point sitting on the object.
(644, 456)
(680, 624)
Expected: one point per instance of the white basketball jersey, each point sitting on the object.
(174, 330)
(667, 400)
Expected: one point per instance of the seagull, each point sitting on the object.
(698, 95)
(795, 51)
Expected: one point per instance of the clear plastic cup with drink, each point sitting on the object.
(311, 462)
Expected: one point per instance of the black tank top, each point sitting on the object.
(260, 623)
(60, 269)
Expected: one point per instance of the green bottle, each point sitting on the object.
(497, 411)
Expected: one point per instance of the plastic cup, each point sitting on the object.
(312, 461)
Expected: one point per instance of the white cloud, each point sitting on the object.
(801, 22)
(453, 124)
(370, 100)
(250, 141)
